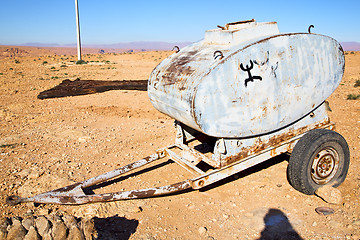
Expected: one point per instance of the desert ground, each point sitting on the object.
(50, 143)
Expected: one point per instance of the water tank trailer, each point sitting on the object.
(242, 95)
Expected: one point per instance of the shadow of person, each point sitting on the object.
(278, 227)
(115, 227)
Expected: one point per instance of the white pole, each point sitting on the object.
(78, 30)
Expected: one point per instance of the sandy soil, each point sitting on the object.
(46, 144)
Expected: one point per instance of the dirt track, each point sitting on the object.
(46, 144)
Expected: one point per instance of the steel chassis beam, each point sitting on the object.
(74, 194)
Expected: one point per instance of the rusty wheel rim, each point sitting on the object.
(325, 165)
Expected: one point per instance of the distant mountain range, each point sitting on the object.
(350, 46)
(143, 45)
(129, 45)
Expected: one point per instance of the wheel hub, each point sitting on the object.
(325, 165)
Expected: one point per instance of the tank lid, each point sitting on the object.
(237, 32)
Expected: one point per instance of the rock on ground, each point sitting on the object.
(330, 195)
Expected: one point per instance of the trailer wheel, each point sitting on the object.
(321, 157)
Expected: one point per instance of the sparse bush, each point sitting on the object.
(81, 62)
(353, 96)
(55, 77)
(44, 62)
(52, 68)
(357, 83)
(1, 73)
(63, 66)
(17, 61)
(8, 145)
(11, 69)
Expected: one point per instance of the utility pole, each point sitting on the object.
(78, 30)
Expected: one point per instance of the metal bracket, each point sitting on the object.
(309, 29)
(176, 48)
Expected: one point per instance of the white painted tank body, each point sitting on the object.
(259, 82)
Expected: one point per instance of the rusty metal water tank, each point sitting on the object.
(247, 79)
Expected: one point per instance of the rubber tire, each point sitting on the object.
(304, 153)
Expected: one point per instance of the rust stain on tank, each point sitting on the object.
(180, 68)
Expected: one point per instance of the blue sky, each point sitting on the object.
(110, 21)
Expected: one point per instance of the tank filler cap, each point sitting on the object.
(237, 32)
